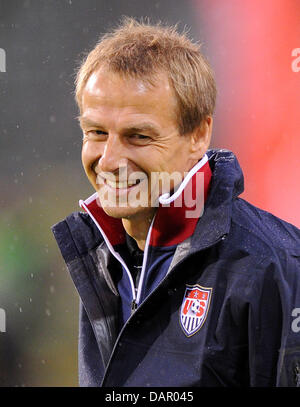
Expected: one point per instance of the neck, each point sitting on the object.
(138, 226)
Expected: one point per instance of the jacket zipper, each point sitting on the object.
(135, 294)
(133, 306)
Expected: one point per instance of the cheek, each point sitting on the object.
(180, 155)
(85, 156)
(172, 158)
(88, 157)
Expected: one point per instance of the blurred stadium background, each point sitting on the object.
(249, 44)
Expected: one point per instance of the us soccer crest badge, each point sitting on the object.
(194, 308)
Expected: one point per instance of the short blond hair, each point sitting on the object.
(141, 51)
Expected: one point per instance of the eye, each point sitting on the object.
(139, 139)
(97, 132)
(98, 135)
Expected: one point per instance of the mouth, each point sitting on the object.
(122, 185)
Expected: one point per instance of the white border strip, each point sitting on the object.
(166, 198)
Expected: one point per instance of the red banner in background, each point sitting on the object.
(252, 48)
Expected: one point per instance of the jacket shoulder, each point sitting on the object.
(76, 235)
(265, 228)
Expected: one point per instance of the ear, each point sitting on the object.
(200, 138)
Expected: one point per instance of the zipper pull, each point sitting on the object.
(133, 306)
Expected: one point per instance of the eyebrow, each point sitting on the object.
(87, 122)
(136, 128)
(141, 127)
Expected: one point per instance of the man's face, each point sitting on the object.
(131, 128)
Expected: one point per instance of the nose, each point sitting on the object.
(113, 156)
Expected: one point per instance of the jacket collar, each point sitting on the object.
(226, 185)
(176, 216)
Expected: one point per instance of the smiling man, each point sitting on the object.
(181, 282)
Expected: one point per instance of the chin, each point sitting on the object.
(119, 212)
(128, 212)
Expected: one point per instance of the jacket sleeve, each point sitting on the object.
(288, 367)
(274, 325)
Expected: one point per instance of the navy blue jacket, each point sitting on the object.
(219, 301)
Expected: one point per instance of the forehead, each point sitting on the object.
(111, 92)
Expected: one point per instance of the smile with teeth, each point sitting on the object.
(122, 184)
